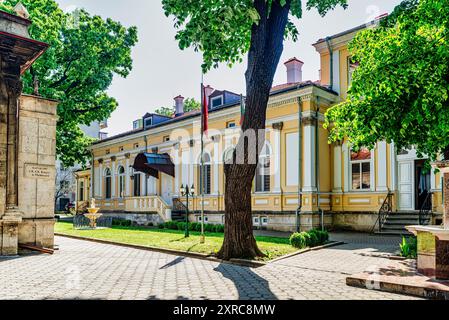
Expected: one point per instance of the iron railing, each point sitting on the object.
(385, 210)
(425, 213)
(82, 222)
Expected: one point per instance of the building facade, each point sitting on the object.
(301, 180)
(66, 184)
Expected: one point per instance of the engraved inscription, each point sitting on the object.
(36, 171)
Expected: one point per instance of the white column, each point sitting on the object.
(113, 179)
(127, 179)
(276, 148)
(381, 166)
(309, 159)
(191, 166)
(337, 168)
(92, 182)
(216, 168)
(143, 181)
(177, 176)
(346, 166)
(393, 167)
(100, 181)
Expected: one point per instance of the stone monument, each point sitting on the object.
(27, 143)
(433, 241)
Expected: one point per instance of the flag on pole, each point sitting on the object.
(242, 109)
(204, 112)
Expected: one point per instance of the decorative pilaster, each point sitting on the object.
(382, 167)
(337, 188)
(216, 167)
(309, 154)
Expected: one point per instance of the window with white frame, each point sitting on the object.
(108, 183)
(361, 169)
(121, 181)
(263, 178)
(137, 183)
(256, 221)
(264, 221)
(199, 219)
(216, 102)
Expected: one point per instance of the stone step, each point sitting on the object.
(394, 233)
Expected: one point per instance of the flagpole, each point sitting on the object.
(202, 237)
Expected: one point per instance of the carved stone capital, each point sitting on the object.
(113, 158)
(309, 121)
(278, 126)
(127, 155)
(100, 161)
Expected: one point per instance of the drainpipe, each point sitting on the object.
(298, 210)
(331, 66)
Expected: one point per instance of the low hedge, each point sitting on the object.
(193, 226)
(122, 222)
(312, 238)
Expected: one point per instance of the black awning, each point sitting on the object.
(153, 163)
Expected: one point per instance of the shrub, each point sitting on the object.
(298, 240)
(310, 239)
(409, 247)
(193, 226)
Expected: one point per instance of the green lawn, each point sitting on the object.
(171, 239)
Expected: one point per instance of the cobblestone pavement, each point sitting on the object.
(88, 270)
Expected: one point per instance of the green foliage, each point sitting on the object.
(312, 238)
(190, 104)
(193, 226)
(409, 247)
(221, 29)
(84, 55)
(399, 92)
(121, 222)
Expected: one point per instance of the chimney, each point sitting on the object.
(208, 91)
(294, 70)
(179, 105)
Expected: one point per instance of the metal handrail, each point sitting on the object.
(426, 209)
(178, 205)
(385, 210)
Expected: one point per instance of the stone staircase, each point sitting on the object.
(396, 222)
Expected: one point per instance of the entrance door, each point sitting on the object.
(167, 188)
(422, 186)
(406, 185)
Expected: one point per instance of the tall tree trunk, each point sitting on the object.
(263, 58)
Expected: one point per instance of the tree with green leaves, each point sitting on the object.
(224, 31)
(190, 104)
(399, 91)
(84, 55)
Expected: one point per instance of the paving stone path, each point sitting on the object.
(88, 270)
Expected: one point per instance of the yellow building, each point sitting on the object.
(302, 181)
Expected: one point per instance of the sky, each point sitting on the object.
(161, 71)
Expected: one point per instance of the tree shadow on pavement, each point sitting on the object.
(250, 286)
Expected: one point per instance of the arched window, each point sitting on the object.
(263, 179)
(205, 183)
(107, 183)
(121, 181)
(228, 156)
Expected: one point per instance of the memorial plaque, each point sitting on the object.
(37, 171)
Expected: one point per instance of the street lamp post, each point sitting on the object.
(187, 192)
